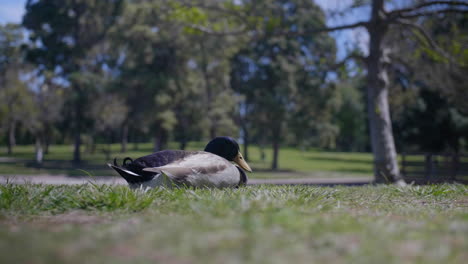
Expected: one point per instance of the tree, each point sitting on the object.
(212, 65)
(279, 75)
(13, 92)
(431, 124)
(428, 88)
(151, 58)
(377, 64)
(180, 73)
(351, 116)
(62, 33)
(46, 104)
(15, 106)
(208, 68)
(444, 70)
(109, 112)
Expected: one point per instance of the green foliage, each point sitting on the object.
(64, 36)
(11, 39)
(67, 30)
(433, 113)
(109, 112)
(429, 108)
(189, 15)
(281, 77)
(351, 117)
(191, 70)
(17, 102)
(175, 83)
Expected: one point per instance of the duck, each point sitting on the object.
(219, 165)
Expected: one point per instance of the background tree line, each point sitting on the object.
(87, 72)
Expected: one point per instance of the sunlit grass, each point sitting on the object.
(292, 162)
(255, 224)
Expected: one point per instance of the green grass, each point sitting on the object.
(293, 163)
(256, 224)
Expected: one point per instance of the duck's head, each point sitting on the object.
(227, 148)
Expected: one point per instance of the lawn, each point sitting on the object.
(293, 163)
(255, 224)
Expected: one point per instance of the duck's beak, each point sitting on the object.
(239, 160)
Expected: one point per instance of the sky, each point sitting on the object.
(12, 11)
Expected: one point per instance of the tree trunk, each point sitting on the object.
(46, 144)
(11, 137)
(123, 147)
(92, 143)
(183, 143)
(135, 139)
(386, 168)
(77, 125)
(274, 164)
(108, 151)
(212, 130)
(76, 150)
(246, 143)
(156, 142)
(208, 90)
(160, 140)
(276, 135)
(47, 139)
(39, 150)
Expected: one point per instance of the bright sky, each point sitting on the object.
(11, 11)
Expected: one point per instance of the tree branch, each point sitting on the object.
(399, 12)
(427, 37)
(216, 8)
(433, 12)
(209, 31)
(352, 56)
(324, 29)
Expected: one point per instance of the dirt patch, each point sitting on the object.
(74, 217)
(127, 252)
(54, 222)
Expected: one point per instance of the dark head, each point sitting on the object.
(227, 148)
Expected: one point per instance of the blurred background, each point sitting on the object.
(82, 81)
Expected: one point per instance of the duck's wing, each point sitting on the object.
(201, 169)
(162, 158)
(132, 171)
(177, 174)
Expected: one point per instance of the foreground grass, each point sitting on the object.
(256, 224)
(293, 163)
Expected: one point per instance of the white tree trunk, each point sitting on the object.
(39, 150)
(386, 168)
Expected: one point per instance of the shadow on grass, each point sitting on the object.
(344, 160)
(55, 167)
(273, 171)
(357, 171)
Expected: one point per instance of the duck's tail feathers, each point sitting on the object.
(129, 176)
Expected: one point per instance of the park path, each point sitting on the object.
(63, 179)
